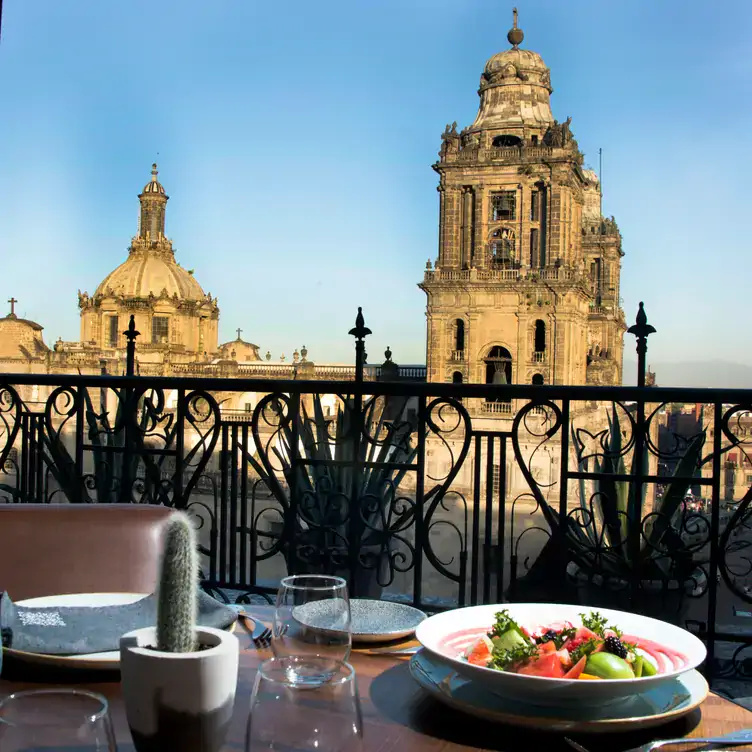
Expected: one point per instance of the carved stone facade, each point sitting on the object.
(177, 320)
(526, 284)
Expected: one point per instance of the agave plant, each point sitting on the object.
(610, 532)
(357, 456)
(119, 457)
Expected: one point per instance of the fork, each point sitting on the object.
(260, 634)
(735, 738)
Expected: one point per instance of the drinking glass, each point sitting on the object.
(56, 719)
(286, 715)
(312, 620)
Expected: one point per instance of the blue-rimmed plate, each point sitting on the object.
(653, 707)
(372, 621)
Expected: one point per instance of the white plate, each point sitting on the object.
(109, 661)
(449, 634)
(654, 707)
(370, 620)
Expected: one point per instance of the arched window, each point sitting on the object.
(498, 368)
(503, 247)
(456, 377)
(506, 141)
(538, 379)
(540, 336)
(459, 335)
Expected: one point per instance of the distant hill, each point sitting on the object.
(707, 373)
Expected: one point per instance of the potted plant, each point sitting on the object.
(179, 679)
(612, 543)
(327, 525)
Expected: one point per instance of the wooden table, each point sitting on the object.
(398, 714)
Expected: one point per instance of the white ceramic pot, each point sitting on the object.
(179, 702)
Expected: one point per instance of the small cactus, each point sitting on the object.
(177, 605)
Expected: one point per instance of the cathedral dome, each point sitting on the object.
(514, 92)
(524, 61)
(150, 268)
(144, 273)
(154, 186)
(175, 317)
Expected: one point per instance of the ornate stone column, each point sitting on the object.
(479, 225)
(442, 223)
(467, 227)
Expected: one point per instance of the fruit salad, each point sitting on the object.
(592, 650)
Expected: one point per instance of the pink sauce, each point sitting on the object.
(457, 643)
(667, 659)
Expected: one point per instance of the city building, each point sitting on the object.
(525, 288)
(176, 320)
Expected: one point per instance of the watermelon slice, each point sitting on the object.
(576, 670)
(480, 653)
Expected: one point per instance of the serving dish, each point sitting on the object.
(448, 635)
(654, 707)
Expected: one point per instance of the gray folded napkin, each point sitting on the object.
(75, 630)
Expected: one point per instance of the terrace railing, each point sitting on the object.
(572, 494)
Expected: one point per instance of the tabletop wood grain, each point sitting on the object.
(398, 714)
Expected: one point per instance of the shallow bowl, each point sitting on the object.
(448, 635)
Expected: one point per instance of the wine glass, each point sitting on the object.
(312, 619)
(287, 715)
(55, 719)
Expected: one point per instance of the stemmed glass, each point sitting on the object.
(286, 715)
(56, 719)
(312, 624)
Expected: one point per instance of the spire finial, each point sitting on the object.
(154, 172)
(515, 35)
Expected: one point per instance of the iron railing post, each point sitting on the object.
(641, 330)
(360, 331)
(130, 412)
(130, 351)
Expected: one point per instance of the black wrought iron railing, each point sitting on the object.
(605, 496)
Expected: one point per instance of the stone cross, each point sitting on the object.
(13, 302)
(238, 331)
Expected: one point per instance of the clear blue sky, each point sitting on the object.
(296, 141)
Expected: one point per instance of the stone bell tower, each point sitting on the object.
(526, 285)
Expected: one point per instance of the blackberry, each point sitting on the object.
(548, 636)
(614, 645)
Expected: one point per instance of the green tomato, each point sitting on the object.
(608, 666)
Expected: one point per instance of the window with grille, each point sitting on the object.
(160, 329)
(114, 333)
(503, 205)
(248, 407)
(503, 247)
